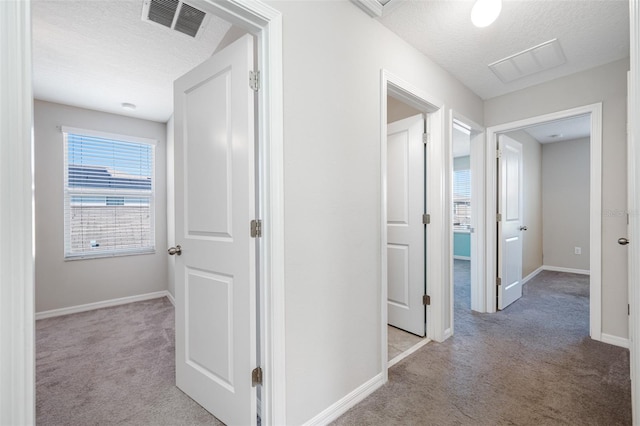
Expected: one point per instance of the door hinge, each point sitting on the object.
(425, 138)
(256, 376)
(498, 154)
(426, 219)
(426, 300)
(498, 281)
(254, 80)
(499, 217)
(628, 309)
(256, 228)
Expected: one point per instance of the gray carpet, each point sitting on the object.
(112, 366)
(531, 364)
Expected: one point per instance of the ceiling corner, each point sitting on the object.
(372, 8)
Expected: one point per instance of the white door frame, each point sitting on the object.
(595, 208)
(436, 244)
(17, 353)
(478, 293)
(633, 155)
(17, 322)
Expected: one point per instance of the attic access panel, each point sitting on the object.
(174, 14)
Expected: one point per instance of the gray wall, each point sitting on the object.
(532, 238)
(606, 84)
(397, 110)
(565, 201)
(61, 284)
(171, 200)
(332, 169)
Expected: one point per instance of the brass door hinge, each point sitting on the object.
(426, 300)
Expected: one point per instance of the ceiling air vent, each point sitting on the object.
(174, 14)
(536, 59)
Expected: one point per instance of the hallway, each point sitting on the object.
(531, 364)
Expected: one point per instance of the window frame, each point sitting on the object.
(455, 200)
(67, 194)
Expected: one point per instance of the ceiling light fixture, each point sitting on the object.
(484, 12)
(127, 105)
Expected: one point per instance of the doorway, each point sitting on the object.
(523, 130)
(265, 24)
(462, 214)
(407, 101)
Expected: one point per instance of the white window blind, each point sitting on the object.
(108, 194)
(461, 200)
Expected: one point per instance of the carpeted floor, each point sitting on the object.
(531, 364)
(112, 366)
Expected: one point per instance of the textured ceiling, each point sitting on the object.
(99, 54)
(590, 32)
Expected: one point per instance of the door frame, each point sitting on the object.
(436, 244)
(265, 23)
(595, 207)
(633, 154)
(16, 120)
(477, 143)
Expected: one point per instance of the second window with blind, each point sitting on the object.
(109, 193)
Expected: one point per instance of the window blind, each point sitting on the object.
(461, 200)
(108, 195)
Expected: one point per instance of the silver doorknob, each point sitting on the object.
(523, 228)
(175, 250)
(623, 241)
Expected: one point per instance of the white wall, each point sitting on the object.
(333, 54)
(606, 84)
(565, 201)
(61, 284)
(532, 238)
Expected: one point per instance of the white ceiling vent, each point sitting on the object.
(174, 14)
(536, 59)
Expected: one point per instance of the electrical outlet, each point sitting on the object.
(577, 250)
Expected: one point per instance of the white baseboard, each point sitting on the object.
(569, 270)
(342, 406)
(408, 352)
(533, 274)
(171, 298)
(462, 257)
(614, 340)
(98, 305)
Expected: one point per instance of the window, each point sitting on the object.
(461, 200)
(108, 194)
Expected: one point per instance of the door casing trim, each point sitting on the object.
(595, 207)
(436, 243)
(265, 23)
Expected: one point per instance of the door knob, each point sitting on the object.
(623, 241)
(523, 228)
(175, 250)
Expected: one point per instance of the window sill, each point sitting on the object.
(75, 257)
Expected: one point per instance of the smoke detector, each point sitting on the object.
(174, 14)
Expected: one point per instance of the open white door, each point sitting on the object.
(216, 271)
(405, 227)
(510, 209)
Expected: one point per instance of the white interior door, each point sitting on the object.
(405, 228)
(215, 275)
(510, 208)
